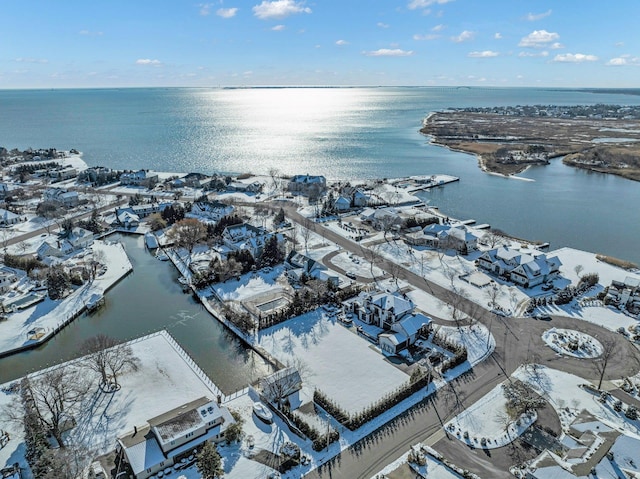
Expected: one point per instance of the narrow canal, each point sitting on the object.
(148, 300)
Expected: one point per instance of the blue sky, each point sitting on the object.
(119, 43)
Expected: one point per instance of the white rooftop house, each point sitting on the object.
(175, 435)
(306, 184)
(625, 294)
(523, 269)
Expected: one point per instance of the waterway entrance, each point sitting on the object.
(148, 300)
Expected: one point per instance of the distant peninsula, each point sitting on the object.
(507, 140)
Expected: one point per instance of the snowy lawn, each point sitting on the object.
(250, 284)
(342, 365)
(476, 339)
(572, 343)
(487, 418)
(49, 314)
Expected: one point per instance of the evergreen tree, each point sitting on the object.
(208, 462)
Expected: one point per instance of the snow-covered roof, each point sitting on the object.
(411, 324)
(386, 301)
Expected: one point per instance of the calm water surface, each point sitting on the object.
(148, 300)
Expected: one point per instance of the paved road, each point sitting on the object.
(518, 341)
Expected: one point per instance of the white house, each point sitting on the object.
(128, 219)
(381, 309)
(9, 218)
(212, 210)
(404, 332)
(625, 294)
(360, 199)
(306, 184)
(62, 197)
(139, 178)
(437, 235)
(382, 218)
(248, 237)
(8, 276)
(523, 269)
(300, 264)
(342, 204)
(168, 438)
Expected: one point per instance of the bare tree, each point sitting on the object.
(108, 358)
(57, 396)
(278, 386)
(493, 293)
(371, 255)
(578, 269)
(274, 173)
(307, 226)
(608, 348)
(187, 233)
(492, 239)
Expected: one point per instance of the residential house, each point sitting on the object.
(170, 437)
(128, 219)
(65, 244)
(307, 185)
(360, 199)
(61, 174)
(447, 236)
(139, 178)
(196, 180)
(404, 333)
(8, 276)
(239, 186)
(61, 197)
(211, 210)
(8, 218)
(625, 294)
(521, 268)
(248, 237)
(342, 204)
(382, 218)
(393, 313)
(300, 264)
(143, 210)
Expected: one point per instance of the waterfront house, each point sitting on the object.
(170, 437)
(280, 385)
(523, 269)
(342, 204)
(8, 276)
(248, 237)
(61, 174)
(382, 218)
(128, 219)
(143, 210)
(299, 265)
(139, 178)
(445, 236)
(360, 199)
(625, 294)
(307, 185)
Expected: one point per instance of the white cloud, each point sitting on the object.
(620, 44)
(623, 60)
(538, 39)
(342, 42)
(557, 46)
(148, 61)
(278, 28)
(428, 36)
(483, 54)
(532, 17)
(387, 52)
(574, 58)
(90, 33)
(415, 4)
(463, 37)
(497, 36)
(438, 28)
(279, 9)
(31, 60)
(205, 9)
(382, 25)
(532, 54)
(227, 12)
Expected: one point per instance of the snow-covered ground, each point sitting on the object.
(487, 418)
(562, 340)
(357, 265)
(433, 469)
(49, 314)
(250, 285)
(341, 364)
(564, 393)
(476, 339)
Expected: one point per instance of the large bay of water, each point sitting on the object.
(338, 132)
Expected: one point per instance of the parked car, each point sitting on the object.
(350, 274)
(499, 312)
(542, 317)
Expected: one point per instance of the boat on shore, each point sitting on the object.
(150, 240)
(262, 412)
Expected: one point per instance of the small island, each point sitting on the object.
(507, 140)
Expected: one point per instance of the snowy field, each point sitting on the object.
(357, 265)
(342, 365)
(487, 418)
(250, 285)
(476, 338)
(49, 314)
(584, 346)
